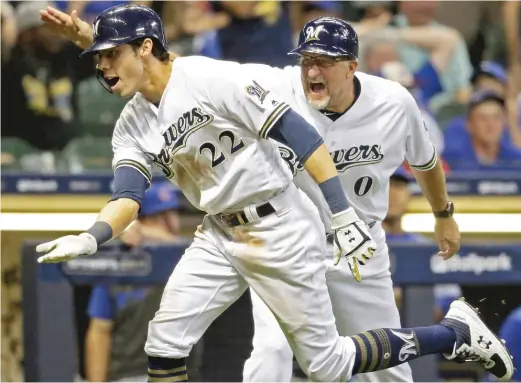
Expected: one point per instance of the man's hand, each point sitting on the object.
(70, 26)
(448, 236)
(67, 248)
(352, 240)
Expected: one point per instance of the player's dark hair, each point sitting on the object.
(157, 50)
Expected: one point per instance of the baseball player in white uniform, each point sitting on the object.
(370, 125)
(206, 124)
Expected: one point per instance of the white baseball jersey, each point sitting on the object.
(208, 135)
(368, 143)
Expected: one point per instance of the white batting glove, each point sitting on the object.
(67, 248)
(352, 240)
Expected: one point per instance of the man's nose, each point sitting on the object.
(313, 71)
(103, 63)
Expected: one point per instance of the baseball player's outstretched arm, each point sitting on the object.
(129, 189)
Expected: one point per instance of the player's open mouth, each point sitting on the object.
(317, 87)
(112, 81)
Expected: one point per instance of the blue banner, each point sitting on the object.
(480, 183)
(479, 265)
(468, 183)
(410, 264)
(57, 184)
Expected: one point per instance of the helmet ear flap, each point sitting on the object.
(101, 78)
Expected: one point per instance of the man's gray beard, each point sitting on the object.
(319, 105)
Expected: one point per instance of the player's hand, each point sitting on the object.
(67, 248)
(69, 26)
(352, 240)
(448, 236)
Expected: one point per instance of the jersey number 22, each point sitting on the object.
(218, 156)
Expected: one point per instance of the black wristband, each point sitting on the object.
(101, 231)
(445, 213)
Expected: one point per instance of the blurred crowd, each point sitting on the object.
(460, 60)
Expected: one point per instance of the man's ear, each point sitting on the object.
(146, 48)
(352, 67)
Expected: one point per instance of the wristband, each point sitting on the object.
(101, 231)
(334, 195)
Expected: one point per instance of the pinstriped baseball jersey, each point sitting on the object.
(208, 135)
(368, 143)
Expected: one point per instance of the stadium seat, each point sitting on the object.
(18, 155)
(448, 112)
(98, 109)
(11, 153)
(88, 154)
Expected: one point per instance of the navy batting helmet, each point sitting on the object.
(123, 24)
(328, 36)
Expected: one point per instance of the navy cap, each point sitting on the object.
(479, 98)
(328, 36)
(159, 198)
(492, 69)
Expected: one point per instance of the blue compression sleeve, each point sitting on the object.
(294, 132)
(129, 183)
(334, 195)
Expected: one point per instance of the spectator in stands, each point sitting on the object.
(373, 9)
(119, 315)
(199, 27)
(40, 80)
(381, 45)
(511, 332)
(87, 10)
(309, 10)
(488, 76)
(383, 60)
(259, 32)
(481, 147)
(190, 26)
(399, 197)
(479, 27)
(512, 27)
(454, 78)
(9, 30)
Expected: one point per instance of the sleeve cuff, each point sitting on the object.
(429, 165)
(277, 113)
(136, 165)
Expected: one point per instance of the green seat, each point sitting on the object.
(98, 109)
(448, 112)
(87, 154)
(16, 153)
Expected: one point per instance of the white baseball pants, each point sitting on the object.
(357, 307)
(280, 257)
